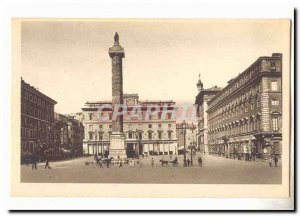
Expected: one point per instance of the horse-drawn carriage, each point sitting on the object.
(166, 162)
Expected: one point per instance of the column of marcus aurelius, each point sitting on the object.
(117, 137)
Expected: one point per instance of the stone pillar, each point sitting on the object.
(117, 137)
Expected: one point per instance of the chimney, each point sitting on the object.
(279, 55)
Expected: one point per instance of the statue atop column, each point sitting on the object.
(116, 37)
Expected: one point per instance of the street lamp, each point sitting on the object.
(137, 144)
(101, 138)
(192, 147)
(183, 128)
(96, 133)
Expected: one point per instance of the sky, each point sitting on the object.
(69, 61)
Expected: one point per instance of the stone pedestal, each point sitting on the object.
(117, 145)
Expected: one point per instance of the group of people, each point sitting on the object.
(271, 161)
(34, 164)
(102, 161)
(190, 162)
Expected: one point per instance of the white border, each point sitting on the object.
(125, 9)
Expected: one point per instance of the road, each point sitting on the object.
(215, 170)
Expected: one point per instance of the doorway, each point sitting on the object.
(130, 150)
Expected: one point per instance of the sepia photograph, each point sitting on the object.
(152, 102)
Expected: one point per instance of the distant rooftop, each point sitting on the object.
(214, 88)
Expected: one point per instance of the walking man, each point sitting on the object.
(270, 162)
(152, 162)
(120, 163)
(34, 165)
(100, 163)
(47, 164)
(107, 163)
(275, 160)
(200, 161)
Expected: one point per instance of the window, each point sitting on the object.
(159, 135)
(274, 86)
(159, 125)
(90, 116)
(90, 136)
(273, 67)
(170, 134)
(275, 124)
(169, 125)
(275, 102)
(91, 127)
(150, 135)
(129, 135)
(140, 135)
(100, 126)
(150, 126)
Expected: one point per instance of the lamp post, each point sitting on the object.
(96, 133)
(192, 147)
(101, 138)
(137, 145)
(183, 130)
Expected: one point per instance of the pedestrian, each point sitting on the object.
(188, 161)
(47, 164)
(120, 163)
(275, 160)
(100, 163)
(34, 160)
(133, 163)
(107, 163)
(152, 162)
(200, 161)
(140, 163)
(270, 162)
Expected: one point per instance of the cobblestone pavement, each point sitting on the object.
(215, 170)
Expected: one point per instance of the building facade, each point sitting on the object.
(75, 137)
(69, 133)
(153, 136)
(203, 97)
(37, 121)
(245, 118)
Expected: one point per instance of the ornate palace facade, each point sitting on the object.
(153, 136)
(244, 119)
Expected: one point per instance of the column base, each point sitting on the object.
(117, 146)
